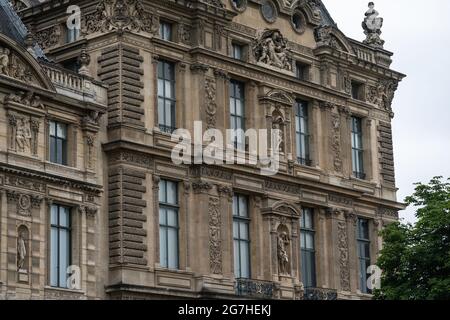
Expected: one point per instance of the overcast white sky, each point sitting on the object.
(419, 36)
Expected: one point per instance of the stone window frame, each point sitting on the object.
(72, 141)
(240, 9)
(250, 231)
(306, 72)
(75, 213)
(304, 22)
(315, 230)
(183, 237)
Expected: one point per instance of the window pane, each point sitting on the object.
(163, 247)
(235, 205)
(235, 230)
(64, 256)
(54, 257)
(64, 217)
(172, 192)
(52, 128)
(309, 241)
(237, 263)
(54, 215)
(245, 260)
(61, 130)
(243, 231)
(173, 248)
(172, 218)
(162, 216)
(243, 206)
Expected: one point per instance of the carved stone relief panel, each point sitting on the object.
(343, 256)
(215, 235)
(270, 48)
(13, 66)
(25, 203)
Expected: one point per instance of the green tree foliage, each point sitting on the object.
(416, 258)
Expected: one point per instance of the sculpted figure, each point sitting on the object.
(21, 251)
(23, 135)
(283, 258)
(4, 61)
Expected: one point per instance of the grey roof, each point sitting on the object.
(12, 26)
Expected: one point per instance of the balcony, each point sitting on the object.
(74, 85)
(254, 289)
(319, 294)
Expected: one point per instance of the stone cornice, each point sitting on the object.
(50, 178)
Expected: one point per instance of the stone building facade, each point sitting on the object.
(87, 183)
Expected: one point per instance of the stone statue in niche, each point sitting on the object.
(21, 249)
(283, 256)
(4, 61)
(23, 135)
(271, 48)
(372, 27)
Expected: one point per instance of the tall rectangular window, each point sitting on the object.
(357, 148)
(60, 245)
(237, 113)
(168, 224)
(166, 96)
(308, 250)
(165, 31)
(363, 240)
(58, 142)
(302, 133)
(241, 236)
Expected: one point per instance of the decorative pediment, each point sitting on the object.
(21, 65)
(279, 96)
(18, 5)
(120, 15)
(286, 208)
(331, 37)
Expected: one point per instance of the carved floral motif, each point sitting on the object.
(210, 103)
(120, 15)
(215, 236)
(336, 141)
(343, 256)
(49, 37)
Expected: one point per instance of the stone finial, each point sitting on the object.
(372, 27)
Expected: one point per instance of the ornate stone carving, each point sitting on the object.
(382, 94)
(215, 236)
(49, 37)
(25, 203)
(270, 48)
(283, 243)
(28, 99)
(185, 34)
(84, 60)
(336, 141)
(201, 186)
(120, 15)
(343, 256)
(324, 37)
(90, 144)
(372, 27)
(17, 5)
(210, 103)
(13, 66)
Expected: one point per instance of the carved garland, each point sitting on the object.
(343, 256)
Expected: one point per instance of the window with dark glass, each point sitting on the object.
(302, 132)
(71, 65)
(58, 142)
(357, 148)
(237, 113)
(60, 245)
(165, 30)
(308, 250)
(302, 71)
(238, 51)
(357, 90)
(363, 240)
(168, 224)
(166, 96)
(241, 237)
